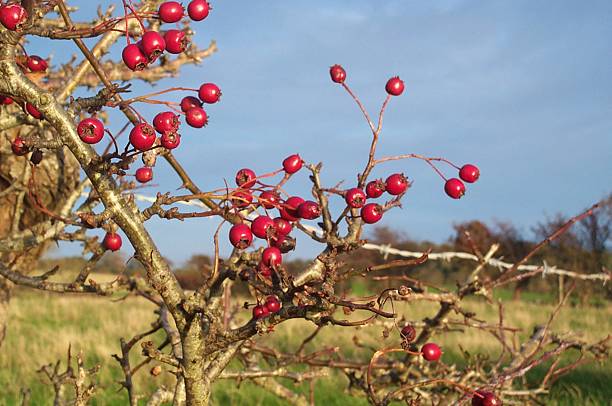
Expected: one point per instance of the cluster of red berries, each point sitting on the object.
(455, 188)
(13, 16)
(273, 230)
(153, 44)
(396, 184)
(270, 306)
(143, 136)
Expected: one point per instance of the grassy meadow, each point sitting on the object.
(43, 325)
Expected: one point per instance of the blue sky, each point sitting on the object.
(521, 88)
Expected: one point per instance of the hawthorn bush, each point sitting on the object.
(66, 171)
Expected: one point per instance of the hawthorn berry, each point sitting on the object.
(469, 173)
(144, 174)
(112, 241)
(209, 93)
(260, 311)
(165, 121)
(190, 102)
(19, 147)
(396, 184)
(284, 243)
(91, 130)
(196, 117)
(142, 136)
(337, 73)
(262, 226)
(36, 63)
(273, 304)
(292, 164)
(176, 41)
(134, 58)
(33, 111)
(485, 399)
(171, 11)
(12, 16)
(375, 188)
(272, 257)
(454, 188)
(269, 199)
(355, 198)
(282, 226)
(289, 210)
(371, 213)
(309, 210)
(408, 333)
(240, 236)
(5, 100)
(242, 199)
(395, 86)
(431, 352)
(152, 45)
(198, 10)
(246, 178)
(170, 140)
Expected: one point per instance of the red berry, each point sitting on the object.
(454, 188)
(408, 333)
(5, 100)
(36, 156)
(292, 164)
(152, 45)
(355, 198)
(33, 111)
(242, 199)
(260, 311)
(142, 137)
(170, 140)
(284, 243)
(198, 10)
(371, 213)
(431, 352)
(309, 210)
(269, 199)
(240, 236)
(396, 184)
(112, 241)
(272, 256)
(273, 304)
(264, 270)
(337, 73)
(91, 130)
(144, 174)
(134, 58)
(246, 178)
(282, 226)
(485, 399)
(375, 188)
(12, 16)
(36, 63)
(176, 41)
(171, 11)
(165, 121)
(19, 147)
(395, 86)
(469, 173)
(209, 93)
(190, 102)
(289, 209)
(262, 226)
(196, 117)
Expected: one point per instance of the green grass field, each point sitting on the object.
(43, 325)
